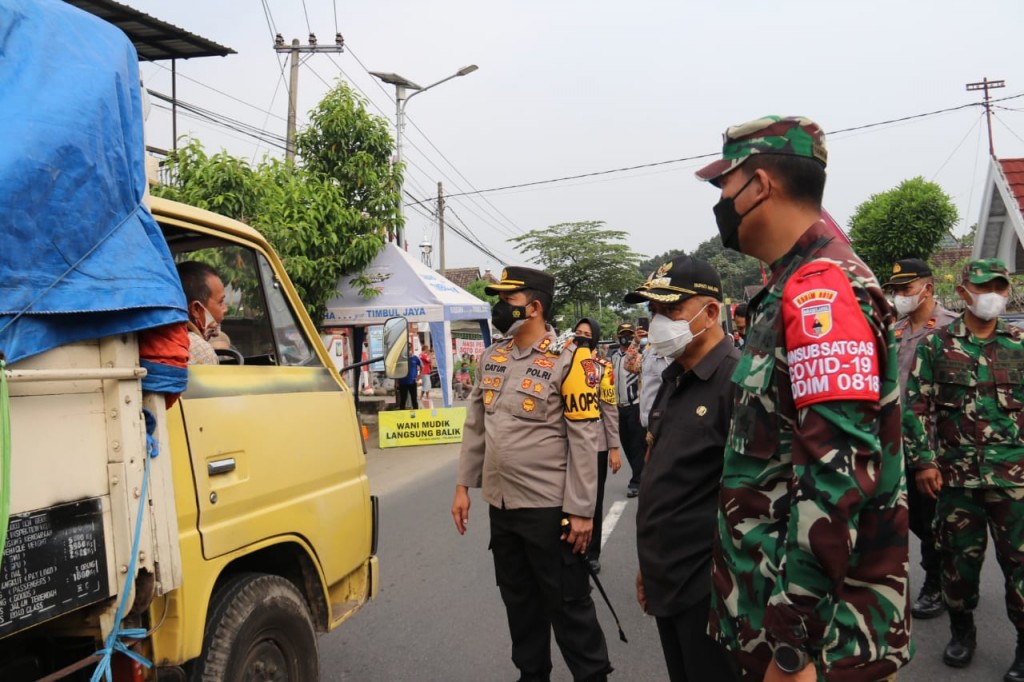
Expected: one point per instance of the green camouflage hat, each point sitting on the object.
(985, 270)
(790, 135)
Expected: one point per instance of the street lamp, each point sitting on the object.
(402, 97)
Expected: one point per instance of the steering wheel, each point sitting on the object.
(229, 356)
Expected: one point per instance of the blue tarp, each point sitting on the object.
(80, 257)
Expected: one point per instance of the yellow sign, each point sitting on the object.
(429, 426)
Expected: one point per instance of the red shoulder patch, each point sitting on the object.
(830, 347)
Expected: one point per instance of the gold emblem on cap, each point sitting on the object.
(504, 274)
(662, 270)
(701, 411)
(896, 269)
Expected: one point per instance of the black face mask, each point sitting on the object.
(729, 219)
(625, 340)
(504, 315)
(583, 342)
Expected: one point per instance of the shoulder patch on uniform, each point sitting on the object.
(830, 348)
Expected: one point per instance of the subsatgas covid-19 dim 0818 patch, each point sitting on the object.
(830, 348)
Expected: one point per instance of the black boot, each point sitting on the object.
(960, 650)
(1016, 671)
(929, 602)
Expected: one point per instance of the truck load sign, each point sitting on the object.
(54, 562)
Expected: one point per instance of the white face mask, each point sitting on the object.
(212, 327)
(987, 306)
(669, 338)
(907, 304)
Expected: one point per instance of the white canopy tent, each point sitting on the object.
(410, 289)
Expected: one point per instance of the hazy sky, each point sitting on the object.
(573, 87)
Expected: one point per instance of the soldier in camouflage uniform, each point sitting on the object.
(964, 427)
(810, 561)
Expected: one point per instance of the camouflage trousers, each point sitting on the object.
(963, 519)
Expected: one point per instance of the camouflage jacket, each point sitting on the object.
(812, 522)
(964, 401)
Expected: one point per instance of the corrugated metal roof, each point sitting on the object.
(1013, 170)
(153, 38)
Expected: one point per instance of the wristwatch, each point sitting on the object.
(790, 659)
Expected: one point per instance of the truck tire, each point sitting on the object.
(258, 630)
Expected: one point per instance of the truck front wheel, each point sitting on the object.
(259, 629)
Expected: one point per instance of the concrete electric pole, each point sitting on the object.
(440, 225)
(293, 81)
(987, 85)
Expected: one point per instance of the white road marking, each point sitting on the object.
(610, 519)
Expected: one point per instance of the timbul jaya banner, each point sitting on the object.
(429, 426)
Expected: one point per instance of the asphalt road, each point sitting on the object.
(439, 615)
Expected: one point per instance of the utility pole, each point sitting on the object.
(987, 85)
(440, 224)
(293, 81)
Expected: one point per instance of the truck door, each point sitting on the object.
(272, 434)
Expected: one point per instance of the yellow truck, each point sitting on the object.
(258, 530)
(206, 538)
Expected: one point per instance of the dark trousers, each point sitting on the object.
(634, 441)
(692, 656)
(545, 587)
(407, 391)
(922, 519)
(594, 549)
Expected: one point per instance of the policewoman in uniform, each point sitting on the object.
(587, 332)
(529, 443)
(810, 567)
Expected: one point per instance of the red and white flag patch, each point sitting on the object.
(830, 348)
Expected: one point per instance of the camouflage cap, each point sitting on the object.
(985, 270)
(789, 135)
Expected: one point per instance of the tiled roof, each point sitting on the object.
(462, 277)
(1013, 170)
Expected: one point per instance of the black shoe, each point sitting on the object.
(632, 492)
(1016, 671)
(960, 650)
(595, 565)
(929, 603)
(534, 677)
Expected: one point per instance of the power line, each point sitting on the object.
(454, 183)
(306, 12)
(711, 154)
(221, 92)
(223, 121)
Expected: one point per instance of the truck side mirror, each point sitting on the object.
(396, 348)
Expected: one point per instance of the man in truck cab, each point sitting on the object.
(204, 292)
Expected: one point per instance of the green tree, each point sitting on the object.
(651, 264)
(736, 270)
(590, 264)
(477, 289)
(326, 216)
(908, 221)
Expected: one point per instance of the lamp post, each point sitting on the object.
(402, 96)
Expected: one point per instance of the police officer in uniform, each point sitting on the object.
(810, 567)
(913, 291)
(632, 433)
(964, 424)
(529, 440)
(677, 508)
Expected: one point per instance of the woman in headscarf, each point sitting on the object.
(588, 333)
